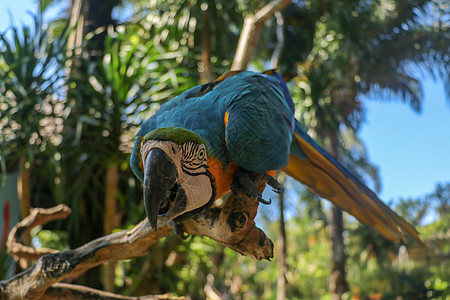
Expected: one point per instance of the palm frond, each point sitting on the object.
(391, 85)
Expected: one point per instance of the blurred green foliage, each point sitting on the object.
(53, 239)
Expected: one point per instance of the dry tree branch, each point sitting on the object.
(231, 225)
(37, 216)
(251, 30)
(54, 267)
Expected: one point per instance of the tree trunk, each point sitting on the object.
(75, 40)
(338, 282)
(282, 252)
(23, 187)
(111, 221)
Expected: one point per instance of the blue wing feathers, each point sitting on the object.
(258, 131)
(258, 124)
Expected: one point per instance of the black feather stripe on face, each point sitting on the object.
(189, 150)
(194, 158)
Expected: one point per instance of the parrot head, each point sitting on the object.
(177, 183)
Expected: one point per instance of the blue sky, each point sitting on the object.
(412, 150)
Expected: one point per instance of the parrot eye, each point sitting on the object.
(201, 154)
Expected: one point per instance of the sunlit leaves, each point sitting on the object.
(180, 24)
(31, 81)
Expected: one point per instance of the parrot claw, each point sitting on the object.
(264, 201)
(179, 230)
(272, 182)
(244, 179)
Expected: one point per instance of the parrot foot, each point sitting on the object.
(179, 230)
(244, 179)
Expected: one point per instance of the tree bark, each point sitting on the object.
(16, 243)
(76, 36)
(338, 282)
(52, 268)
(251, 30)
(64, 291)
(24, 195)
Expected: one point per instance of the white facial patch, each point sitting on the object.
(198, 190)
(190, 160)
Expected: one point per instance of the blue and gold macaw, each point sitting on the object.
(219, 136)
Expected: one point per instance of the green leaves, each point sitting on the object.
(31, 77)
(127, 82)
(198, 27)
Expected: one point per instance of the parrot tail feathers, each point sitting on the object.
(328, 178)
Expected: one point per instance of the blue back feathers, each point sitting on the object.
(258, 133)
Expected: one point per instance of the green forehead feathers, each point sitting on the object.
(174, 134)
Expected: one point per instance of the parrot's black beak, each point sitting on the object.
(160, 185)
